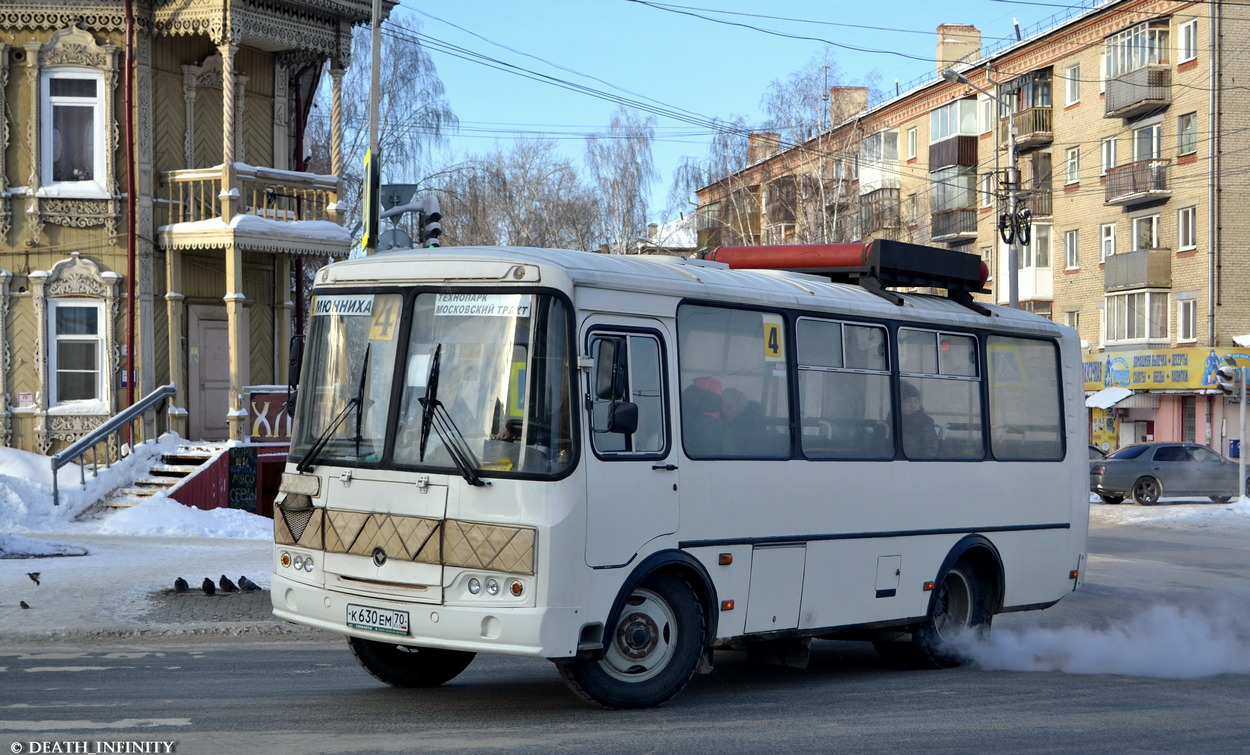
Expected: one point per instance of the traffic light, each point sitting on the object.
(430, 219)
(1229, 377)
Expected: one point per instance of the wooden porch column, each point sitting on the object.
(283, 307)
(237, 418)
(176, 314)
(336, 140)
(229, 190)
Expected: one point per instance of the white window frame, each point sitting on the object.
(1041, 242)
(1073, 319)
(987, 189)
(911, 143)
(1071, 249)
(1187, 41)
(1072, 84)
(1072, 165)
(54, 340)
(1108, 154)
(1155, 144)
(987, 256)
(95, 187)
(955, 118)
(1137, 326)
(1186, 320)
(1186, 232)
(1180, 134)
(1106, 235)
(985, 114)
(1153, 222)
(1102, 73)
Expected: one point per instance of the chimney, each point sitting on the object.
(845, 102)
(652, 229)
(957, 43)
(761, 144)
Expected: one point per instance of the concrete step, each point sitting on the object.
(136, 493)
(157, 482)
(173, 470)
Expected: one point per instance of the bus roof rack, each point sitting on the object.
(874, 265)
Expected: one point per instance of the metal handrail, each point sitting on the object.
(88, 442)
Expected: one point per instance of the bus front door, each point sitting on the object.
(631, 480)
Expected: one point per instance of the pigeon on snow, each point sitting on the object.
(34, 576)
(208, 587)
(247, 585)
(180, 585)
(226, 585)
(22, 603)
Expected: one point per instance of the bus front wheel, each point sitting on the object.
(406, 666)
(961, 605)
(652, 651)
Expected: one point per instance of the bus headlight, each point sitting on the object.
(474, 586)
(298, 561)
(308, 564)
(492, 586)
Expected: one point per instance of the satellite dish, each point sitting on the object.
(394, 239)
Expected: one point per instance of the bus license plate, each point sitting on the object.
(377, 619)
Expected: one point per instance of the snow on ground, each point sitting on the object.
(1174, 513)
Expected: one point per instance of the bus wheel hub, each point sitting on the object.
(637, 636)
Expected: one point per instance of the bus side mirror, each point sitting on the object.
(293, 369)
(623, 417)
(609, 370)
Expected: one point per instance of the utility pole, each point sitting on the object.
(373, 166)
(1015, 222)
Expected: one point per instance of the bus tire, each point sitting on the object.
(962, 604)
(652, 651)
(407, 666)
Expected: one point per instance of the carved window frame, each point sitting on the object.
(93, 188)
(78, 279)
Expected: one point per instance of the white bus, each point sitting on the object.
(622, 464)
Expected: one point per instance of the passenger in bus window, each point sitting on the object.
(745, 419)
(703, 428)
(919, 431)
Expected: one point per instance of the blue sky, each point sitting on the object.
(711, 69)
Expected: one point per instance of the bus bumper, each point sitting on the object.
(503, 630)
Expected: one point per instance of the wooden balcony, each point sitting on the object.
(955, 150)
(1033, 128)
(1138, 183)
(1039, 201)
(1139, 91)
(298, 208)
(879, 210)
(954, 225)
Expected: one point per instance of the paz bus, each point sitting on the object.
(624, 464)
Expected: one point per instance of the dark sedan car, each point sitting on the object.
(1148, 471)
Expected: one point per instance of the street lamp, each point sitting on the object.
(1013, 186)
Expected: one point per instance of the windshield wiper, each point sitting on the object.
(435, 415)
(314, 451)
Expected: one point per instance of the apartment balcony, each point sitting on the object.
(1139, 91)
(269, 209)
(1033, 128)
(954, 226)
(1144, 268)
(956, 150)
(880, 211)
(1039, 201)
(1138, 183)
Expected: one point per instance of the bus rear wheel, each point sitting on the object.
(407, 666)
(652, 651)
(961, 605)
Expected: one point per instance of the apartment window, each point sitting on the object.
(73, 129)
(953, 119)
(1187, 47)
(1146, 233)
(1072, 85)
(75, 361)
(1071, 255)
(1072, 319)
(1187, 131)
(1146, 143)
(1037, 253)
(1107, 236)
(911, 144)
(1072, 170)
(1108, 154)
(1186, 314)
(987, 257)
(1137, 316)
(1186, 237)
(985, 106)
(952, 188)
(1137, 47)
(987, 189)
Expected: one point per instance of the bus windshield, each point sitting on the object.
(503, 384)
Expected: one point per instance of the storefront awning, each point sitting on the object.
(1107, 397)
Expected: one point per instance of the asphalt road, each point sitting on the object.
(256, 695)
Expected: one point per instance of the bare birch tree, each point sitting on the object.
(621, 169)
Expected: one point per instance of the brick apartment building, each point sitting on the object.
(1131, 147)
